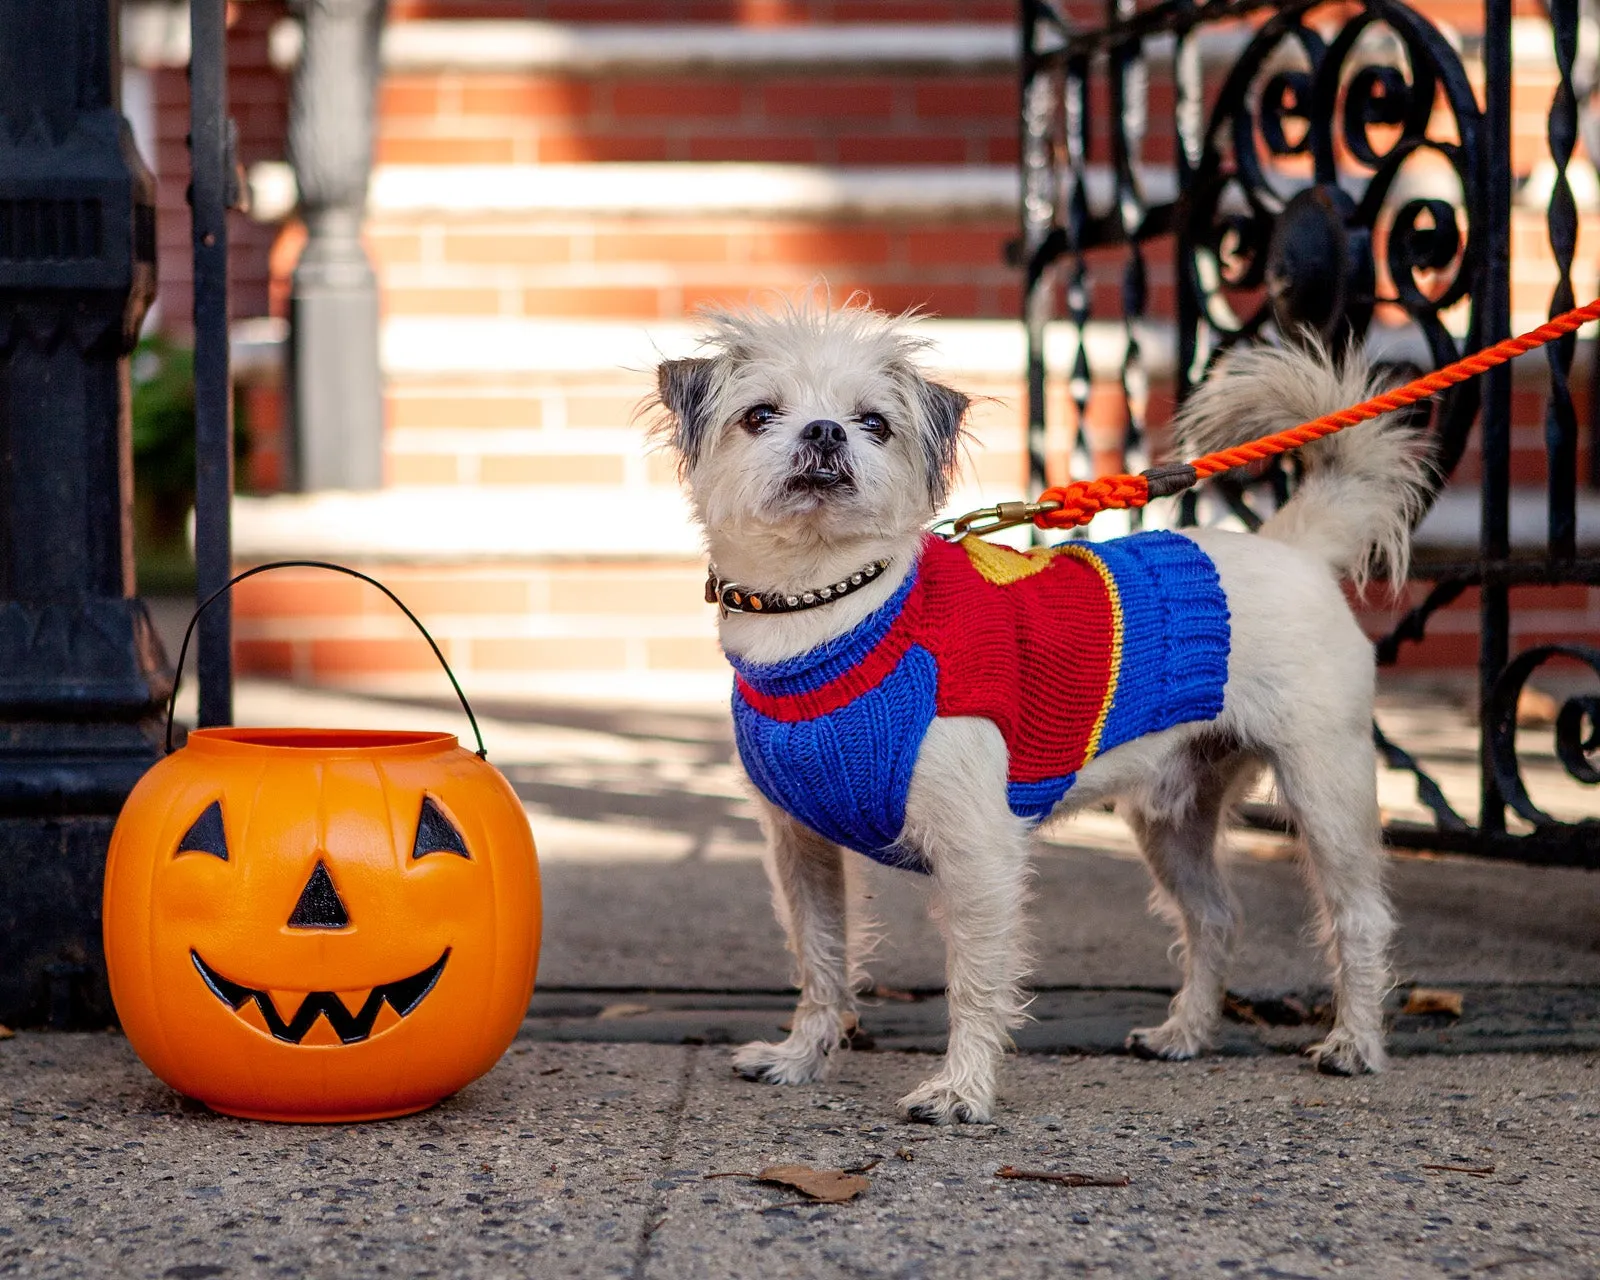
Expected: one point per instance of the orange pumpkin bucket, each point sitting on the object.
(321, 925)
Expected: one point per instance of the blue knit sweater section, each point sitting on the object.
(844, 775)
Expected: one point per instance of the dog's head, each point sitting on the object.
(810, 420)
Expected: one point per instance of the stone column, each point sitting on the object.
(336, 395)
(82, 674)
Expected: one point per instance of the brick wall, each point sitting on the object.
(461, 273)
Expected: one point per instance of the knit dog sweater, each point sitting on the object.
(1069, 651)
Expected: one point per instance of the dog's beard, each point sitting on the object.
(818, 477)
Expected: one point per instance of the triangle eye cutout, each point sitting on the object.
(207, 835)
(436, 833)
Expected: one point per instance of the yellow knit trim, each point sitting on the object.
(1081, 552)
(1001, 565)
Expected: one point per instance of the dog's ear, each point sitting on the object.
(944, 409)
(685, 389)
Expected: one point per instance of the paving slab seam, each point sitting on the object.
(655, 1207)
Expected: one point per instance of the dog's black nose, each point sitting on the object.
(825, 434)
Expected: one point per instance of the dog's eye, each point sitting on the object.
(874, 424)
(758, 418)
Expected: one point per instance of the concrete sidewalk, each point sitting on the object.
(587, 1150)
(605, 1160)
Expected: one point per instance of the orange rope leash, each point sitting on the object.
(1067, 505)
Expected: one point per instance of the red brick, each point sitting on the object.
(589, 410)
(526, 98)
(821, 98)
(756, 147)
(548, 654)
(359, 657)
(408, 96)
(995, 99)
(593, 300)
(686, 246)
(1573, 595)
(431, 597)
(264, 657)
(391, 246)
(579, 148)
(676, 99)
(464, 411)
(421, 468)
(949, 246)
(435, 302)
(895, 148)
(287, 594)
(640, 592)
(822, 246)
(391, 149)
(506, 248)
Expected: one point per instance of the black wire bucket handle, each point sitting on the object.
(172, 702)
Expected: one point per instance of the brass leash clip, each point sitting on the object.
(987, 520)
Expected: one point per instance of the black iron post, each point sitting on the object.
(213, 191)
(81, 671)
(336, 388)
(1494, 538)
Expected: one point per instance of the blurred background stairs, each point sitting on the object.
(557, 187)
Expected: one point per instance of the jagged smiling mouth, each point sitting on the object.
(402, 996)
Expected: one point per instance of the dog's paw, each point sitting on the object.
(784, 1063)
(933, 1102)
(1170, 1041)
(1342, 1054)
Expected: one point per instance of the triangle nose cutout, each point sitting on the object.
(319, 906)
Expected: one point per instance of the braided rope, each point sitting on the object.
(1079, 502)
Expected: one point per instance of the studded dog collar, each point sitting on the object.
(733, 597)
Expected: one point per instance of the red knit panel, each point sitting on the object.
(1033, 656)
(793, 707)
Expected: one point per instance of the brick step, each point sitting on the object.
(518, 241)
(548, 626)
(510, 402)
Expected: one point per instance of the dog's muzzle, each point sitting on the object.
(822, 461)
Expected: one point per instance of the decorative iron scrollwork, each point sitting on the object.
(1337, 176)
(1576, 746)
(1336, 184)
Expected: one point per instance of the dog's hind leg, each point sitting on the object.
(1179, 840)
(1330, 789)
(958, 818)
(808, 889)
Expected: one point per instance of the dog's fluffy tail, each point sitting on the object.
(1362, 488)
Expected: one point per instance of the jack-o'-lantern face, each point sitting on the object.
(316, 925)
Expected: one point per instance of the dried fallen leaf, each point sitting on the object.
(1267, 1011)
(6, 1032)
(1430, 1000)
(1476, 1170)
(622, 1011)
(1064, 1179)
(828, 1186)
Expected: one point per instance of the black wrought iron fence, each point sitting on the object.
(1266, 167)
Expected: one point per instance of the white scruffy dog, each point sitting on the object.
(812, 445)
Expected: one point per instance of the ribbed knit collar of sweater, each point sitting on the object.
(832, 658)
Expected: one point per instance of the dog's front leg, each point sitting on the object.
(958, 818)
(808, 889)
